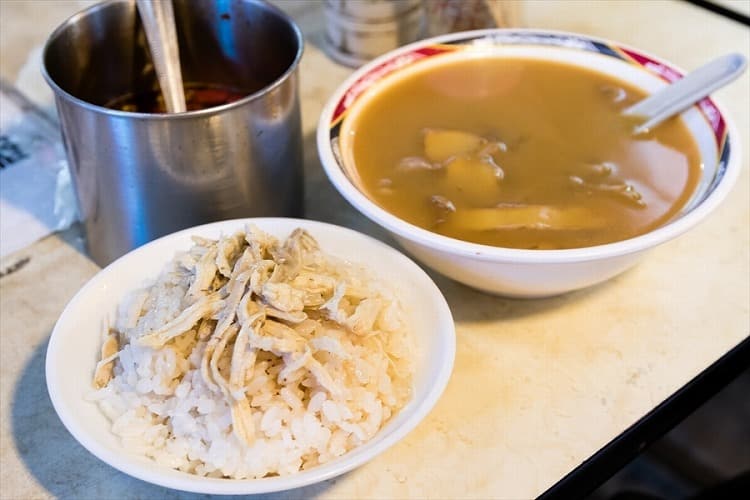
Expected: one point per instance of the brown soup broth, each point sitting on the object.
(197, 96)
(519, 153)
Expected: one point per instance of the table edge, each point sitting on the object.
(612, 457)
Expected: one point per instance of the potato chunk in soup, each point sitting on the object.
(441, 145)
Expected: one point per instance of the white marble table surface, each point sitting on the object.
(538, 386)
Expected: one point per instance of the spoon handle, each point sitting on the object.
(687, 91)
(157, 17)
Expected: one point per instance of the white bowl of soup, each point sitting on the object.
(501, 158)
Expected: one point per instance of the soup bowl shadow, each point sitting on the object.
(515, 272)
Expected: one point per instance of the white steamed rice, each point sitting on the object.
(160, 404)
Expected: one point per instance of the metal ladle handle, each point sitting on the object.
(157, 17)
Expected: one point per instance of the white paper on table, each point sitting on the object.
(36, 196)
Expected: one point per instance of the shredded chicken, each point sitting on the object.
(205, 307)
(250, 297)
(205, 270)
(103, 371)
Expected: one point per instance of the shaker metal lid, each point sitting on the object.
(371, 10)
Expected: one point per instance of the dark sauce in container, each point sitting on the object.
(197, 96)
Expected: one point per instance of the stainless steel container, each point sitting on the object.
(359, 30)
(139, 176)
(372, 10)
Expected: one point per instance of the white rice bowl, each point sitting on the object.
(74, 351)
